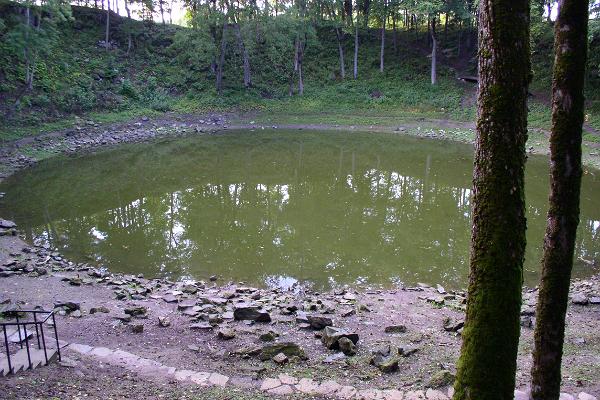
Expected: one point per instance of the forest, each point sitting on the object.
(385, 58)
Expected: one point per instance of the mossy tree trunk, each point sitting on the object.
(570, 48)
(487, 364)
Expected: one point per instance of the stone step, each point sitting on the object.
(20, 362)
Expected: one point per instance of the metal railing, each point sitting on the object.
(38, 324)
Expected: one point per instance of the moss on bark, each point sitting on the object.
(570, 47)
(487, 365)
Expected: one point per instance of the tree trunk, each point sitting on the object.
(222, 59)
(570, 48)
(382, 51)
(356, 51)
(300, 76)
(27, 53)
(129, 41)
(107, 35)
(487, 364)
(395, 34)
(162, 11)
(245, 57)
(433, 53)
(341, 51)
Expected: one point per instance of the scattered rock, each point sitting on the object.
(280, 358)
(452, 324)
(137, 311)
(137, 328)
(269, 336)
(385, 363)
(101, 309)
(347, 346)
(579, 299)
(319, 322)
(251, 313)
(335, 358)
(164, 322)
(395, 329)
(290, 349)
(332, 335)
(201, 326)
(440, 379)
(226, 334)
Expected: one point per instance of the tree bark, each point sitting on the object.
(339, 36)
(487, 364)
(395, 34)
(245, 57)
(382, 51)
(222, 59)
(356, 51)
(570, 54)
(433, 53)
(107, 33)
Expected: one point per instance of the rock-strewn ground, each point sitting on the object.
(266, 342)
(239, 332)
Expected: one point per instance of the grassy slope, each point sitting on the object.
(84, 79)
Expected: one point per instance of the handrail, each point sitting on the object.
(39, 330)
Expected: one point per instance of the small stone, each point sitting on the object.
(440, 379)
(218, 379)
(137, 328)
(332, 335)
(269, 336)
(579, 299)
(595, 300)
(307, 386)
(328, 387)
(76, 314)
(137, 311)
(319, 322)
(251, 313)
(270, 383)
(565, 396)
(164, 322)
(452, 324)
(395, 329)
(585, 396)
(287, 379)
(213, 278)
(226, 333)
(290, 349)
(432, 394)
(280, 358)
(337, 357)
(101, 309)
(347, 346)
(201, 326)
(385, 364)
(283, 390)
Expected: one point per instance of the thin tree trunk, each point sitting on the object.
(300, 76)
(295, 69)
(487, 365)
(570, 53)
(245, 57)
(395, 35)
(28, 62)
(107, 35)
(222, 59)
(382, 51)
(129, 41)
(433, 53)
(162, 11)
(341, 51)
(356, 51)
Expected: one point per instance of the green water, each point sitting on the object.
(277, 208)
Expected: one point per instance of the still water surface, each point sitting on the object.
(278, 208)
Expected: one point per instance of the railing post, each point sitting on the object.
(19, 330)
(37, 333)
(56, 337)
(7, 349)
(27, 345)
(44, 342)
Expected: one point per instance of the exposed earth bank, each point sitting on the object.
(347, 343)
